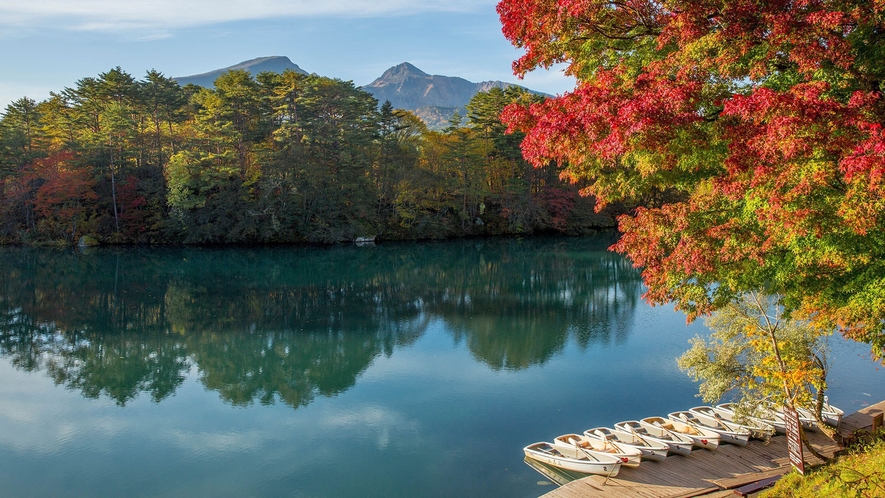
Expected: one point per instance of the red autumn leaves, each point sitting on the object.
(760, 121)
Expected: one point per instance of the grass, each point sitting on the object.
(858, 474)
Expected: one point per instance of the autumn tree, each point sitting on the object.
(751, 132)
(761, 358)
(63, 198)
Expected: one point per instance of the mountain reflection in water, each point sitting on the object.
(290, 324)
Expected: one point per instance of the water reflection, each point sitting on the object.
(289, 324)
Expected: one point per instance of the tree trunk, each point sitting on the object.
(771, 329)
(114, 195)
(807, 443)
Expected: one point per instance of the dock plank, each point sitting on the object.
(862, 419)
(735, 482)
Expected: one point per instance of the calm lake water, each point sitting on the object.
(417, 369)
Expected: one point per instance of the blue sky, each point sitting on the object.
(46, 45)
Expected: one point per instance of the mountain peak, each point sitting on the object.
(276, 59)
(399, 73)
(434, 97)
(274, 64)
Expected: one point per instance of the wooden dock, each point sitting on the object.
(862, 420)
(704, 472)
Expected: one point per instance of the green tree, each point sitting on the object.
(335, 193)
(164, 102)
(399, 141)
(204, 196)
(764, 357)
(464, 178)
(210, 181)
(19, 135)
(281, 200)
(105, 117)
(20, 132)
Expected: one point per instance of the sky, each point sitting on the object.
(47, 45)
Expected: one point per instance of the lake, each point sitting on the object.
(407, 369)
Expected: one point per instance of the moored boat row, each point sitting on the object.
(770, 416)
(603, 450)
(758, 428)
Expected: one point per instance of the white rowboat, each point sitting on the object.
(628, 455)
(727, 433)
(573, 460)
(831, 414)
(702, 438)
(758, 430)
(773, 416)
(651, 450)
(728, 412)
(679, 444)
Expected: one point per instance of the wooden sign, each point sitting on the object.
(794, 439)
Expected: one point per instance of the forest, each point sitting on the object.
(271, 158)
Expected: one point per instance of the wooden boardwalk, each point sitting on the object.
(701, 473)
(862, 420)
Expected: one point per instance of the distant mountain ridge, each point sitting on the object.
(407, 87)
(274, 64)
(433, 98)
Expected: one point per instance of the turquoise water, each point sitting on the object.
(417, 369)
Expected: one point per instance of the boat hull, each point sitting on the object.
(832, 415)
(541, 453)
(806, 418)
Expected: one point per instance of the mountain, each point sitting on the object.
(276, 64)
(434, 98)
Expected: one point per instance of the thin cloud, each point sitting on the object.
(154, 15)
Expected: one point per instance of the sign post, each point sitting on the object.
(794, 439)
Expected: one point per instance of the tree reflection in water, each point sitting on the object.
(289, 324)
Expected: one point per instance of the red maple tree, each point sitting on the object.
(63, 197)
(750, 132)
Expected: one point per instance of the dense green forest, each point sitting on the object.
(274, 158)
